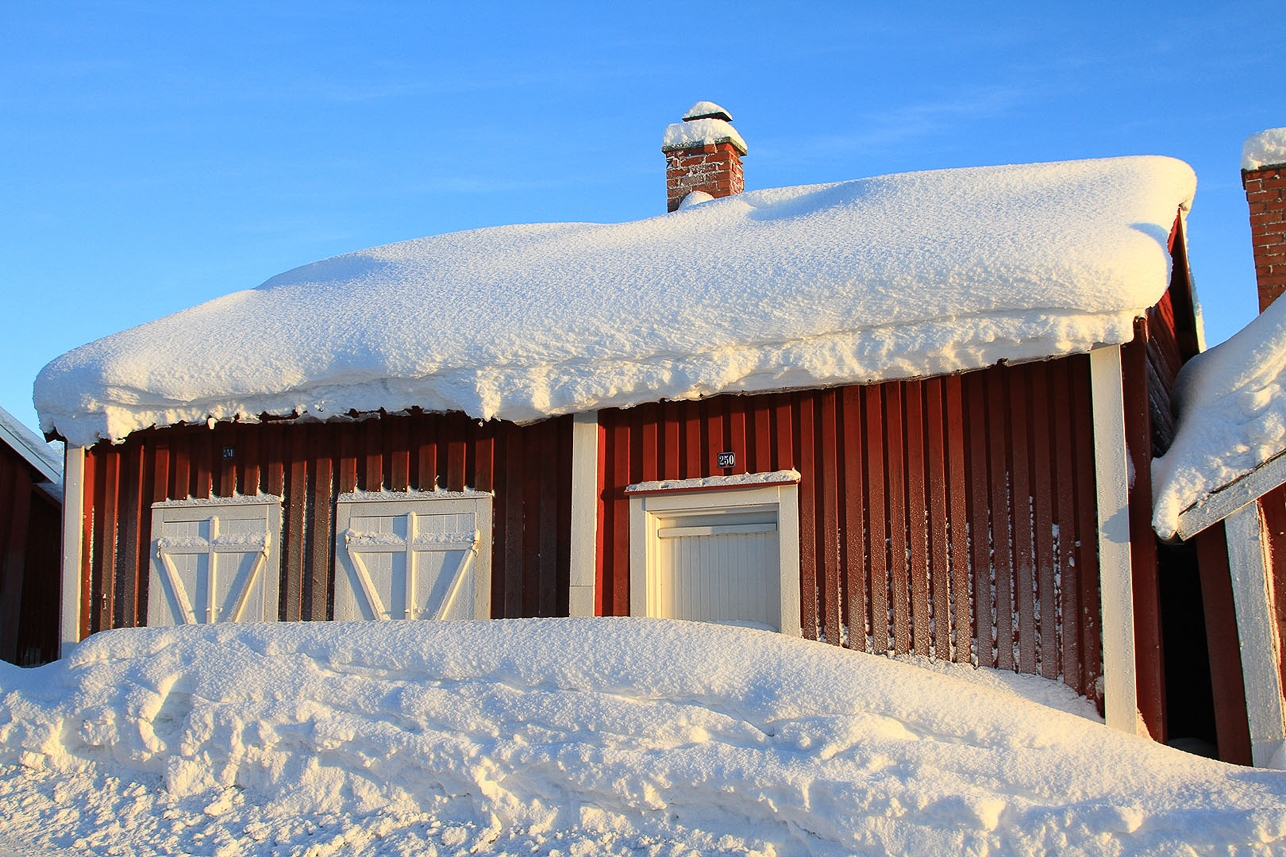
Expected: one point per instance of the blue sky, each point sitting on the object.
(156, 155)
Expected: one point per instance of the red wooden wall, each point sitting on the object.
(1273, 506)
(30, 539)
(308, 465)
(911, 492)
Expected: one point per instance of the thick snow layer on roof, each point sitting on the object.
(701, 132)
(890, 277)
(1231, 403)
(1265, 149)
(607, 736)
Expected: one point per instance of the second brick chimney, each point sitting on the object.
(1263, 175)
(702, 153)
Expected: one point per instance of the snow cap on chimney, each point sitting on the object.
(1263, 175)
(703, 153)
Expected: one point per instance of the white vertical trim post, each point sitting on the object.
(1249, 565)
(73, 521)
(1112, 478)
(584, 535)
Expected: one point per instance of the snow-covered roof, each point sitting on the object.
(701, 132)
(890, 277)
(40, 455)
(1265, 149)
(1231, 403)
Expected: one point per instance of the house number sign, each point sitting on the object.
(727, 459)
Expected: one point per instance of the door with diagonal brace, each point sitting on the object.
(214, 561)
(413, 555)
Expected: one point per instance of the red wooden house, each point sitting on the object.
(898, 414)
(30, 533)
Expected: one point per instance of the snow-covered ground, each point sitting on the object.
(575, 737)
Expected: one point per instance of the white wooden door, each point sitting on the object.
(718, 566)
(717, 549)
(214, 561)
(427, 556)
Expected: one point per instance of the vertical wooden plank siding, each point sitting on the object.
(1273, 505)
(135, 513)
(1089, 621)
(877, 540)
(1232, 729)
(89, 494)
(936, 480)
(308, 466)
(1021, 521)
(1149, 659)
(980, 521)
(31, 532)
(1002, 519)
(911, 495)
(920, 622)
(895, 501)
(829, 569)
(808, 523)
(15, 504)
(958, 500)
(853, 497)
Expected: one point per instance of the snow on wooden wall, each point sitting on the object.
(911, 491)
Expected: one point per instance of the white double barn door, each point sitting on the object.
(413, 556)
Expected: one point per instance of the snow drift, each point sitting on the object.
(608, 736)
(888, 277)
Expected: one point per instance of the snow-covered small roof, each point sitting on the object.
(706, 110)
(40, 455)
(701, 132)
(891, 277)
(1231, 403)
(1265, 149)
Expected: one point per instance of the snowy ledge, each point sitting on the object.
(713, 483)
(233, 500)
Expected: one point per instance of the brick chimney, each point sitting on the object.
(702, 153)
(1263, 175)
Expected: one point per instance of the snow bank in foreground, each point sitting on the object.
(1267, 148)
(889, 277)
(1231, 403)
(618, 736)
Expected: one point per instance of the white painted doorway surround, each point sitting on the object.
(717, 549)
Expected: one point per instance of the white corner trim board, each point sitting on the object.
(73, 521)
(584, 535)
(1112, 472)
(752, 574)
(1248, 563)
